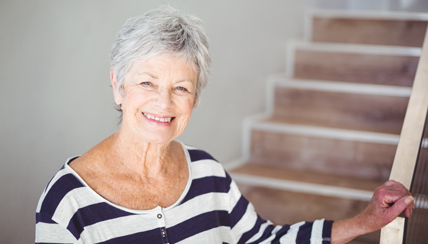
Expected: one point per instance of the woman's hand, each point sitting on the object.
(388, 201)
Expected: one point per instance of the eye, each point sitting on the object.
(180, 88)
(146, 83)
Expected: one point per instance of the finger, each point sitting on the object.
(408, 211)
(395, 185)
(402, 204)
(390, 183)
(397, 189)
(391, 197)
(393, 193)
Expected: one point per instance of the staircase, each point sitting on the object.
(331, 129)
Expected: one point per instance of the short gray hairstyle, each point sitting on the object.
(162, 31)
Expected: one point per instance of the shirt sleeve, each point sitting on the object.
(48, 231)
(248, 227)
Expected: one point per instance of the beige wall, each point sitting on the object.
(55, 95)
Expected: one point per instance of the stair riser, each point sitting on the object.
(394, 70)
(365, 160)
(342, 110)
(369, 31)
(285, 207)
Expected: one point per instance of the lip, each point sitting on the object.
(152, 121)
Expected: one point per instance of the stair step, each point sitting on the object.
(289, 196)
(284, 207)
(358, 154)
(396, 29)
(395, 66)
(373, 108)
(287, 207)
(317, 183)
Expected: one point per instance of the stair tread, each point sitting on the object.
(356, 48)
(281, 80)
(390, 138)
(340, 126)
(366, 14)
(307, 177)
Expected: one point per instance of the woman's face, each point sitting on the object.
(158, 98)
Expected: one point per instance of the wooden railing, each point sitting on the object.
(409, 148)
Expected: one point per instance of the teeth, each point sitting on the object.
(165, 120)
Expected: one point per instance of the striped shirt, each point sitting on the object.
(210, 210)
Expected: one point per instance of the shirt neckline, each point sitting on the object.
(135, 211)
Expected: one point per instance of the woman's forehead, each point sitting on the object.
(163, 65)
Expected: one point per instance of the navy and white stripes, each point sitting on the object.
(210, 210)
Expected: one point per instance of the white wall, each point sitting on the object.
(55, 95)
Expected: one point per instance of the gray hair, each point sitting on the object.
(162, 31)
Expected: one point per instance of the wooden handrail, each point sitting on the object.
(410, 141)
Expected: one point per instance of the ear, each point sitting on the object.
(116, 94)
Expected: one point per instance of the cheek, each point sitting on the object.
(132, 102)
(187, 105)
(182, 124)
(132, 99)
(187, 108)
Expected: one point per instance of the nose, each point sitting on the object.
(164, 99)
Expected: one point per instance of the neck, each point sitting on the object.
(148, 160)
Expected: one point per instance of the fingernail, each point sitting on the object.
(408, 199)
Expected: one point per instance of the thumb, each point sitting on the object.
(399, 206)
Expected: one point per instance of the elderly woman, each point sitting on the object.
(140, 185)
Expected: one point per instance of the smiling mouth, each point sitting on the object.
(165, 120)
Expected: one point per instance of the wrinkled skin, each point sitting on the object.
(388, 202)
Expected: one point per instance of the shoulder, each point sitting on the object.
(209, 179)
(92, 166)
(197, 154)
(61, 186)
(92, 158)
(204, 165)
(68, 204)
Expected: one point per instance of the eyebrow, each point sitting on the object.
(156, 77)
(149, 74)
(183, 81)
